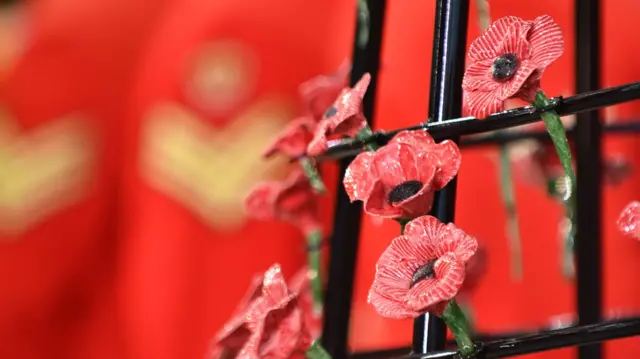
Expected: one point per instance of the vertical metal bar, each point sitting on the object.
(344, 241)
(589, 192)
(445, 101)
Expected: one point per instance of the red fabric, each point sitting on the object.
(60, 100)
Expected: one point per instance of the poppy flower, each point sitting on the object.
(271, 323)
(319, 93)
(277, 321)
(292, 200)
(343, 118)
(508, 60)
(629, 220)
(422, 270)
(399, 179)
(293, 140)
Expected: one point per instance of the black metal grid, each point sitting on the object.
(449, 46)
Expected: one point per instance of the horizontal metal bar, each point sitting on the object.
(549, 340)
(511, 118)
(501, 138)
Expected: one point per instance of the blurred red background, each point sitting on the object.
(130, 132)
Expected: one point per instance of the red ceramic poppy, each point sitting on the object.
(629, 220)
(343, 118)
(319, 93)
(422, 270)
(301, 284)
(508, 60)
(292, 200)
(269, 325)
(277, 321)
(293, 140)
(399, 179)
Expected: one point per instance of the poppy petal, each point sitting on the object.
(293, 140)
(319, 143)
(389, 307)
(481, 104)
(420, 139)
(449, 159)
(478, 77)
(420, 203)
(396, 163)
(515, 40)
(547, 41)
(260, 202)
(360, 177)
(488, 44)
(425, 228)
(377, 203)
(449, 276)
(456, 241)
(512, 87)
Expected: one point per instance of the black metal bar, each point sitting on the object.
(588, 134)
(550, 340)
(445, 101)
(344, 241)
(500, 138)
(455, 127)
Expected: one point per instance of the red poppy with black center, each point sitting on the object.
(399, 179)
(629, 220)
(319, 93)
(293, 140)
(343, 118)
(508, 61)
(422, 270)
(293, 201)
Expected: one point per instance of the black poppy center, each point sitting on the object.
(425, 271)
(331, 111)
(505, 67)
(404, 191)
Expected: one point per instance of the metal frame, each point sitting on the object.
(449, 45)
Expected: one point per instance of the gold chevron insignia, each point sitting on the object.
(41, 171)
(209, 170)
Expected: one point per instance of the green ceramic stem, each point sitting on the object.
(313, 242)
(559, 137)
(509, 201)
(310, 170)
(459, 327)
(316, 351)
